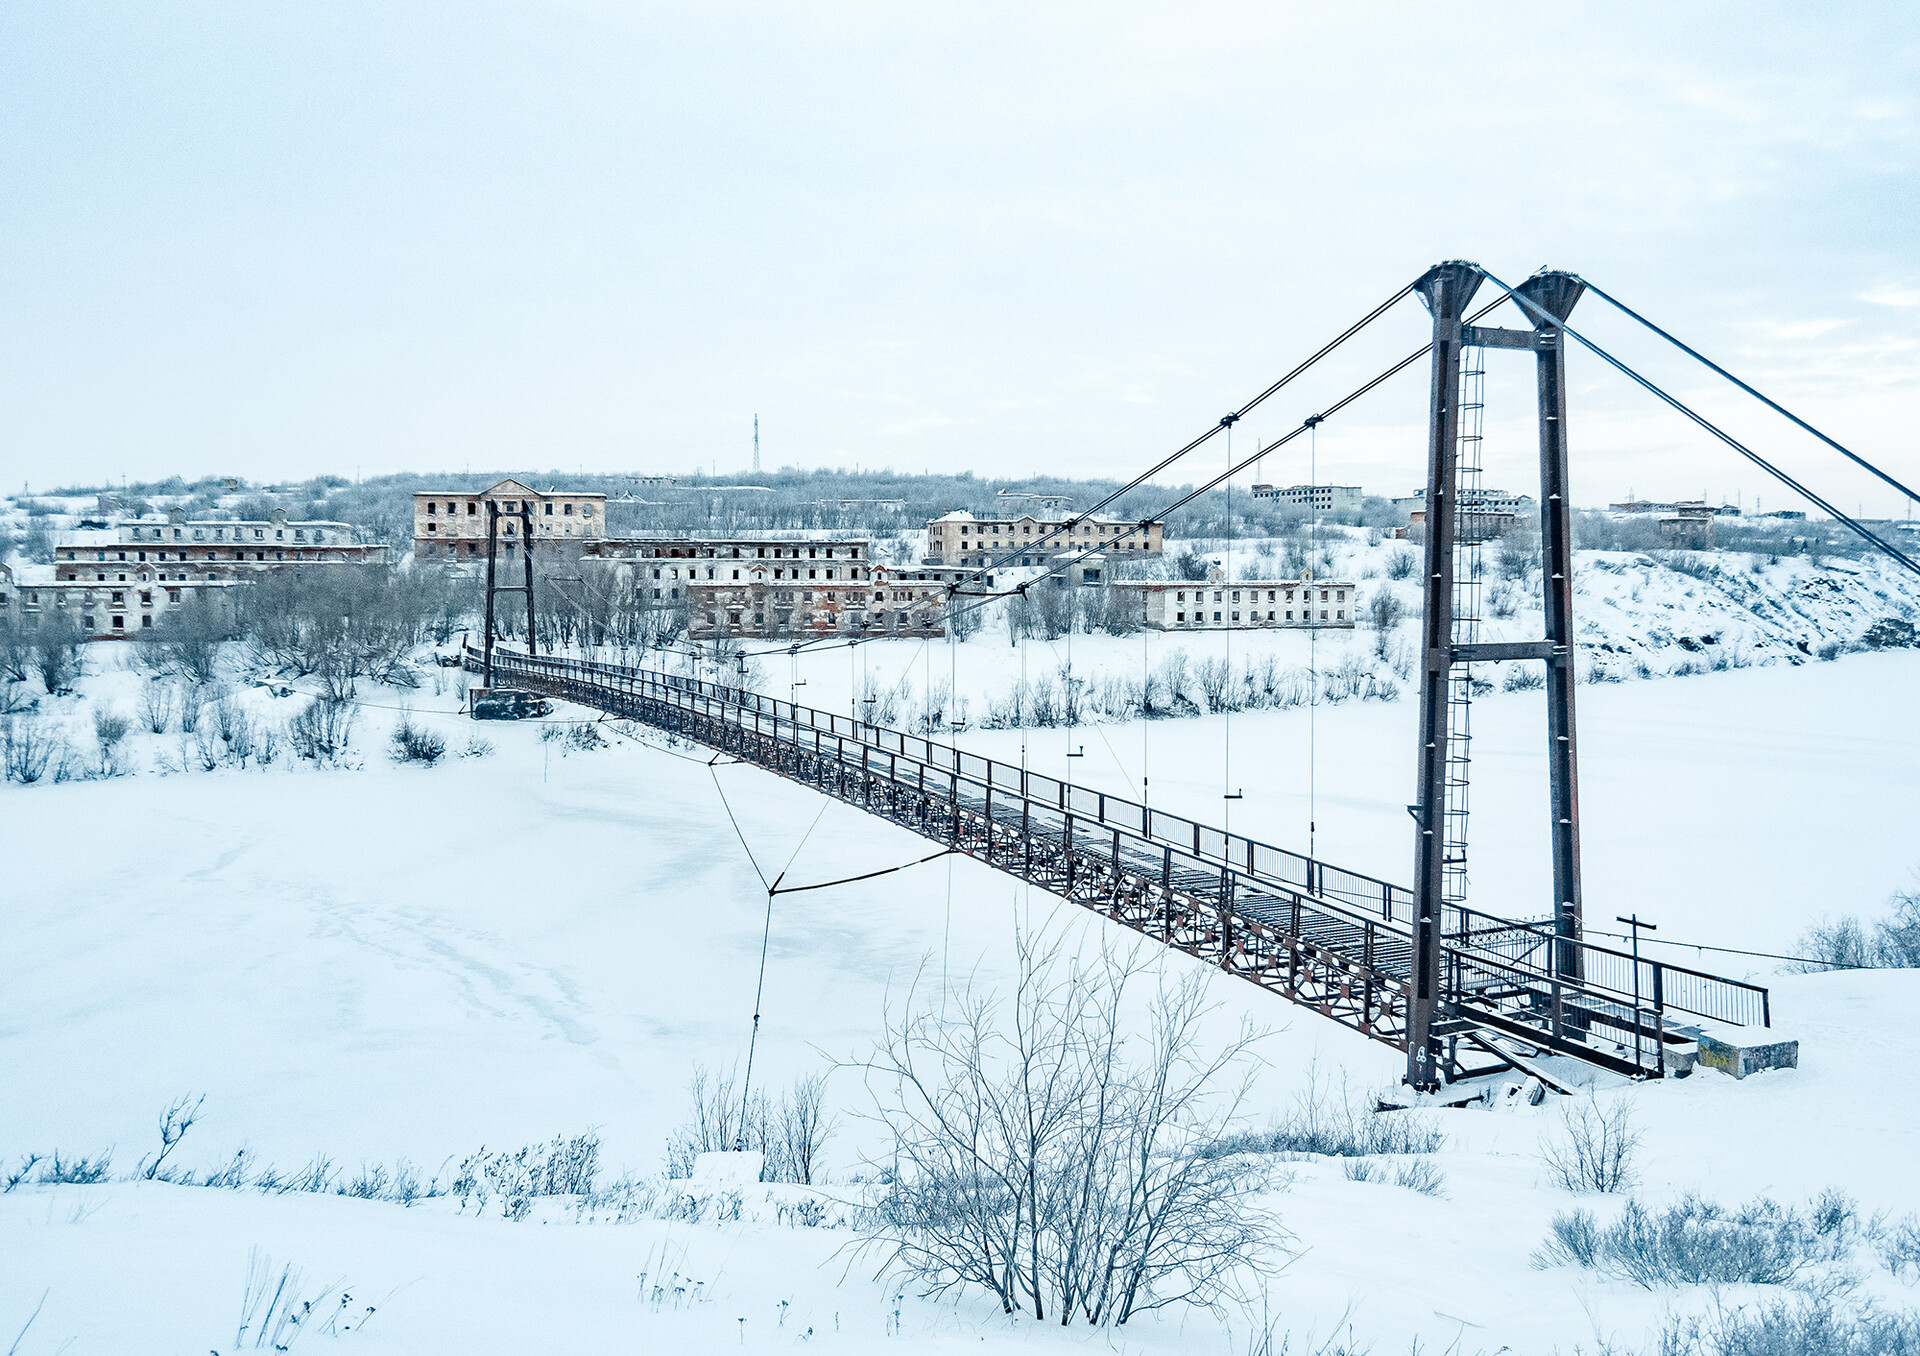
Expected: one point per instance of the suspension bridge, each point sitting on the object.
(1460, 991)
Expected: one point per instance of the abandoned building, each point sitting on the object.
(1218, 604)
(962, 539)
(762, 598)
(115, 581)
(449, 525)
(110, 603)
(212, 548)
(1317, 498)
(670, 566)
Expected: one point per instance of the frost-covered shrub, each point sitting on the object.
(564, 1167)
(1329, 1121)
(199, 746)
(29, 749)
(1385, 609)
(156, 706)
(109, 728)
(416, 744)
(81, 1171)
(58, 646)
(791, 1133)
(1890, 633)
(1523, 678)
(1695, 1241)
(1421, 1175)
(1595, 1147)
(323, 729)
(1085, 1195)
(1898, 1247)
(1818, 1326)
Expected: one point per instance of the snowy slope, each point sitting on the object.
(385, 961)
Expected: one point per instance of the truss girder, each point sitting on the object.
(1320, 953)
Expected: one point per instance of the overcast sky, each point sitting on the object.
(280, 239)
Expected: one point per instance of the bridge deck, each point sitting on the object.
(1328, 938)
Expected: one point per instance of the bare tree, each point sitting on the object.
(57, 643)
(16, 653)
(175, 1121)
(790, 1133)
(345, 623)
(1595, 1148)
(187, 642)
(1047, 1151)
(156, 705)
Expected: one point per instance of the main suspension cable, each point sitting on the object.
(1171, 458)
(1232, 470)
(1069, 559)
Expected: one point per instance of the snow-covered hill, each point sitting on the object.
(372, 962)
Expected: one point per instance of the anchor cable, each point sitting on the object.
(1533, 308)
(1760, 396)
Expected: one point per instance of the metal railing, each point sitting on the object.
(1497, 967)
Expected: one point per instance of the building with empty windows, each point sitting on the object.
(1217, 604)
(669, 566)
(107, 604)
(194, 549)
(449, 525)
(121, 580)
(1314, 498)
(962, 539)
(762, 597)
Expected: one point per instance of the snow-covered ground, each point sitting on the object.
(381, 961)
(1638, 616)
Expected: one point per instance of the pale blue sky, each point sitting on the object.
(279, 239)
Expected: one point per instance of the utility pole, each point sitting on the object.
(756, 444)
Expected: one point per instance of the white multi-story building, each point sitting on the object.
(106, 604)
(959, 538)
(762, 598)
(1314, 498)
(670, 566)
(1219, 604)
(116, 581)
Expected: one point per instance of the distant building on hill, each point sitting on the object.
(760, 597)
(116, 581)
(959, 538)
(1314, 498)
(1220, 604)
(1686, 524)
(450, 525)
(1480, 514)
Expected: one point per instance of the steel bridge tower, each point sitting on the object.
(1456, 525)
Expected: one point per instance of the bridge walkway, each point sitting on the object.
(1325, 937)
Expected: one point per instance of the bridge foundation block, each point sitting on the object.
(1747, 1052)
